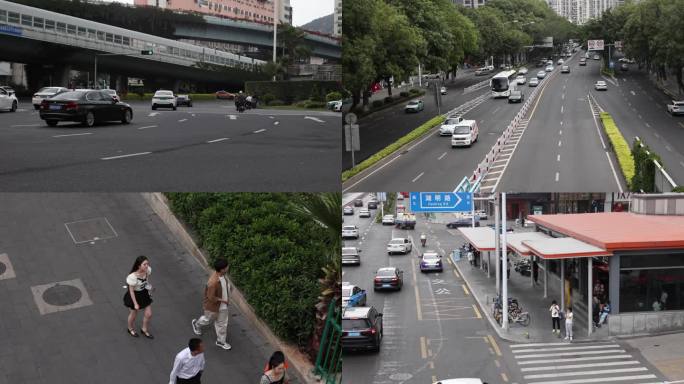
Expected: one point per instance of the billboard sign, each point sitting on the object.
(441, 201)
(595, 45)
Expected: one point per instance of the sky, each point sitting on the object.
(303, 11)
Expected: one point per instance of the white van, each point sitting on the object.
(465, 133)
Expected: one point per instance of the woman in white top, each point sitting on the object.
(137, 296)
(568, 324)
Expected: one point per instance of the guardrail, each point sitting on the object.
(483, 167)
(476, 86)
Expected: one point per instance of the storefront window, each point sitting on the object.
(657, 289)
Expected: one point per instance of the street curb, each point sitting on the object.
(493, 322)
(300, 362)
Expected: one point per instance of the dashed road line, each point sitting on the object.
(74, 134)
(124, 156)
(25, 125)
(217, 140)
(259, 130)
(417, 177)
(233, 117)
(148, 127)
(182, 120)
(442, 156)
(314, 119)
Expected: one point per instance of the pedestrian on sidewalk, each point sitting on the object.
(138, 297)
(215, 305)
(604, 314)
(188, 364)
(568, 324)
(276, 370)
(555, 317)
(535, 272)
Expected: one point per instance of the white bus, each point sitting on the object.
(501, 83)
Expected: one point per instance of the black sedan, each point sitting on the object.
(86, 107)
(388, 278)
(465, 222)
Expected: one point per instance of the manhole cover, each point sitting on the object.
(61, 295)
(401, 376)
(3, 268)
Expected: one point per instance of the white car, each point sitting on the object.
(541, 75)
(349, 290)
(676, 108)
(533, 81)
(601, 86)
(8, 101)
(45, 93)
(520, 79)
(164, 99)
(364, 213)
(447, 127)
(549, 68)
(350, 232)
(388, 220)
(560, 61)
(112, 93)
(460, 381)
(399, 245)
(522, 71)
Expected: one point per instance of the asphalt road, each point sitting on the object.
(563, 148)
(58, 237)
(431, 163)
(209, 147)
(433, 328)
(639, 109)
(386, 126)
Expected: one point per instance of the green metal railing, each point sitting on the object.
(329, 359)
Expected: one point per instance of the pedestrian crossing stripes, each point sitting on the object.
(569, 363)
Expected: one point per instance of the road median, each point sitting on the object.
(620, 146)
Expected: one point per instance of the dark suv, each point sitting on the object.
(361, 328)
(373, 204)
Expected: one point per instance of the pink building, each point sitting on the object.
(252, 10)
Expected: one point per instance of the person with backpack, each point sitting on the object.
(555, 317)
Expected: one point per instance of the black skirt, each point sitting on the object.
(142, 297)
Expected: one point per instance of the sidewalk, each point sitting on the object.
(531, 299)
(665, 352)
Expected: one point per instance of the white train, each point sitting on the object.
(14, 18)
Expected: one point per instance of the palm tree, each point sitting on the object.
(326, 210)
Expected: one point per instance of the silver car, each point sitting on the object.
(447, 127)
(351, 255)
(45, 93)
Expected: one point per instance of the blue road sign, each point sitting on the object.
(441, 201)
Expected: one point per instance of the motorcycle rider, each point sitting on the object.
(423, 238)
(240, 101)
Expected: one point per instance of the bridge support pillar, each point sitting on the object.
(176, 86)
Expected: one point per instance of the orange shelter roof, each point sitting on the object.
(563, 248)
(618, 230)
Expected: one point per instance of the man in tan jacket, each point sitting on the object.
(215, 304)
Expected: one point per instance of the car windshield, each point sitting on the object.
(388, 217)
(499, 84)
(430, 256)
(348, 228)
(74, 95)
(48, 90)
(354, 324)
(386, 273)
(413, 103)
(396, 241)
(163, 93)
(600, 83)
(349, 251)
(462, 129)
(515, 93)
(451, 121)
(678, 103)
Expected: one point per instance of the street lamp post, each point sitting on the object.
(275, 32)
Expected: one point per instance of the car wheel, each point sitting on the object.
(89, 119)
(14, 106)
(174, 108)
(51, 123)
(127, 117)
(37, 107)
(154, 107)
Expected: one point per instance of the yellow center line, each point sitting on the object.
(423, 348)
(496, 362)
(504, 377)
(465, 289)
(456, 273)
(477, 311)
(496, 346)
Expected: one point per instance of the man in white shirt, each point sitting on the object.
(215, 305)
(189, 364)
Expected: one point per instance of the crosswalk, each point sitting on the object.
(576, 363)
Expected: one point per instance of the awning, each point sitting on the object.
(515, 241)
(482, 238)
(563, 248)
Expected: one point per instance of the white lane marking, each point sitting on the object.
(217, 140)
(610, 162)
(567, 347)
(564, 85)
(25, 125)
(681, 163)
(74, 134)
(585, 373)
(259, 131)
(572, 360)
(561, 122)
(632, 92)
(560, 132)
(561, 109)
(639, 116)
(497, 108)
(148, 126)
(193, 115)
(558, 158)
(182, 120)
(417, 177)
(600, 379)
(271, 117)
(123, 156)
(559, 143)
(570, 354)
(441, 157)
(563, 96)
(557, 175)
(574, 366)
(153, 114)
(232, 117)
(314, 119)
(276, 122)
(648, 125)
(656, 135)
(669, 149)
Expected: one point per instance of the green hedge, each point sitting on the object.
(292, 91)
(409, 137)
(274, 256)
(620, 146)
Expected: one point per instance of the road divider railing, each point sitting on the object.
(490, 158)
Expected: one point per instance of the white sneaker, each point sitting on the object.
(225, 346)
(565, 338)
(195, 328)
(570, 338)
